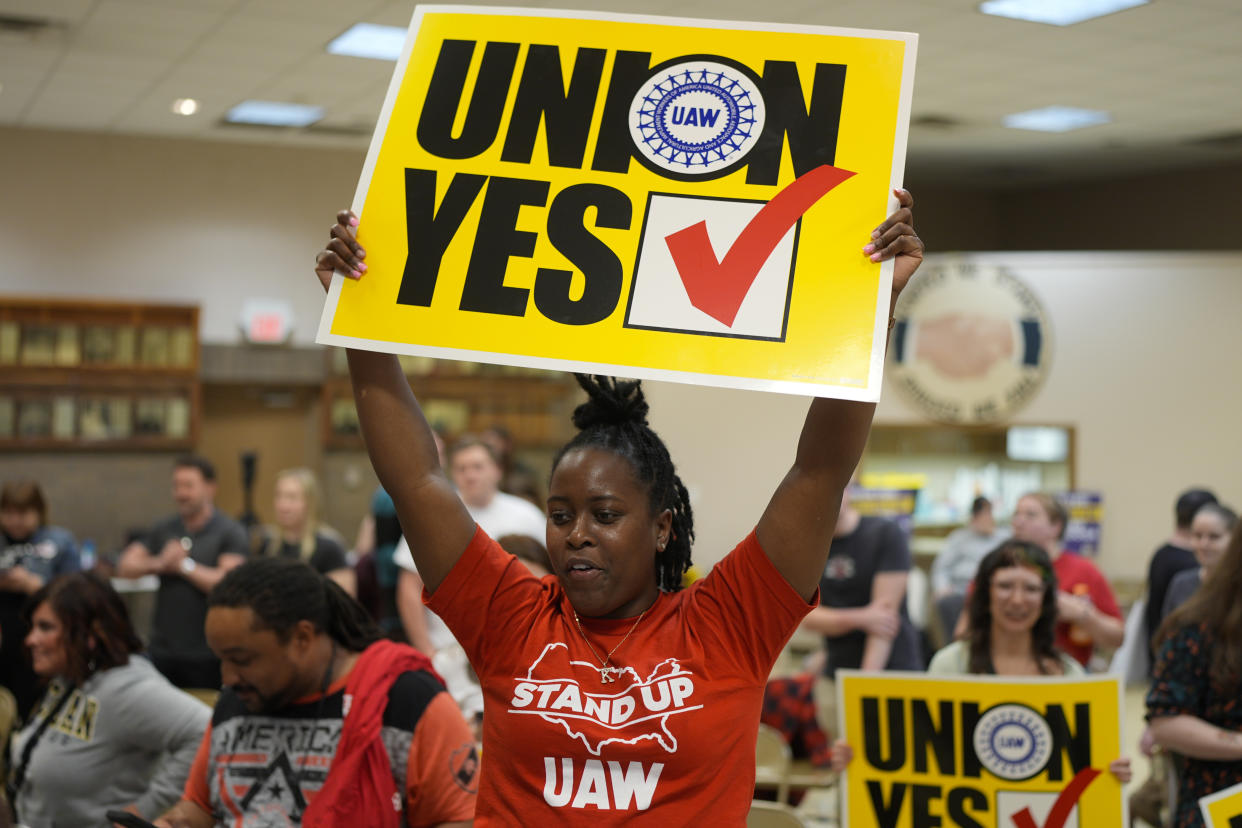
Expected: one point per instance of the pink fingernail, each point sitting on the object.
(353, 221)
(362, 268)
(875, 257)
(869, 248)
(355, 273)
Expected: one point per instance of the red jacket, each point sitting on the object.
(360, 789)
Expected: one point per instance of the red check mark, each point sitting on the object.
(718, 287)
(1064, 804)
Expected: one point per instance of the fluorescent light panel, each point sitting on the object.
(370, 40)
(1056, 12)
(274, 113)
(1056, 119)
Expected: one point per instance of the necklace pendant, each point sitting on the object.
(607, 675)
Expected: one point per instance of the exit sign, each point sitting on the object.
(266, 321)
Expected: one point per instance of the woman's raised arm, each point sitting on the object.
(796, 528)
(398, 439)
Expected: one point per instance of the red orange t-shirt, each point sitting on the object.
(672, 740)
(1078, 576)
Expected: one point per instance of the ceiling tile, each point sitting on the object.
(18, 91)
(88, 64)
(133, 28)
(71, 10)
(27, 58)
(122, 90)
(321, 12)
(71, 110)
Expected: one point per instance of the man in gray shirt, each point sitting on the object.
(190, 551)
(955, 566)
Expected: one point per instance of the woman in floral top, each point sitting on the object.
(1195, 702)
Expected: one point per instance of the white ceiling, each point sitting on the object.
(1168, 72)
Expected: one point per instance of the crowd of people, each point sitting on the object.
(492, 662)
(1030, 608)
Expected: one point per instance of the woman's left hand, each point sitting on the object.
(842, 755)
(895, 239)
(1120, 768)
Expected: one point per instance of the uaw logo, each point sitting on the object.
(1013, 741)
(971, 344)
(639, 711)
(697, 117)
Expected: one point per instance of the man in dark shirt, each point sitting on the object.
(1171, 558)
(862, 605)
(190, 551)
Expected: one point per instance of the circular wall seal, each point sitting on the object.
(696, 117)
(1013, 741)
(972, 343)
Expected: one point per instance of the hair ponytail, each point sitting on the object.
(348, 623)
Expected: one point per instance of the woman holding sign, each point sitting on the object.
(611, 695)
(1012, 611)
(1193, 705)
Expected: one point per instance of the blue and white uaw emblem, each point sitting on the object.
(697, 117)
(1013, 741)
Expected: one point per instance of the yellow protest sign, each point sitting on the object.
(980, 751)
(652, 197)
(1222, 809)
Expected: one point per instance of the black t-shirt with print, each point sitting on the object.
(876, 545)
(180, 606)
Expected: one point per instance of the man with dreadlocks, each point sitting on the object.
(320, 722)
(611, 695)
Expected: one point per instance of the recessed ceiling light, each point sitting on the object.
(185, 106)
(1056, 12)
(274, 113)
(1056, 119)
(370, 40)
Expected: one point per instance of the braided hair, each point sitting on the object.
(614, 418)
(282, 591)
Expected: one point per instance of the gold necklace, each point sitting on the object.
(607, 673)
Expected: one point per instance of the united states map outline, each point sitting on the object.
(663, 737)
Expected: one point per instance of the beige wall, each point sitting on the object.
(1143, 346)
(165, 220)
(1145, 352)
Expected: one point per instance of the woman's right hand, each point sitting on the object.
(842, 755)
(343, 254)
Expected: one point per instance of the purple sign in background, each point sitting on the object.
(1082, 533)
